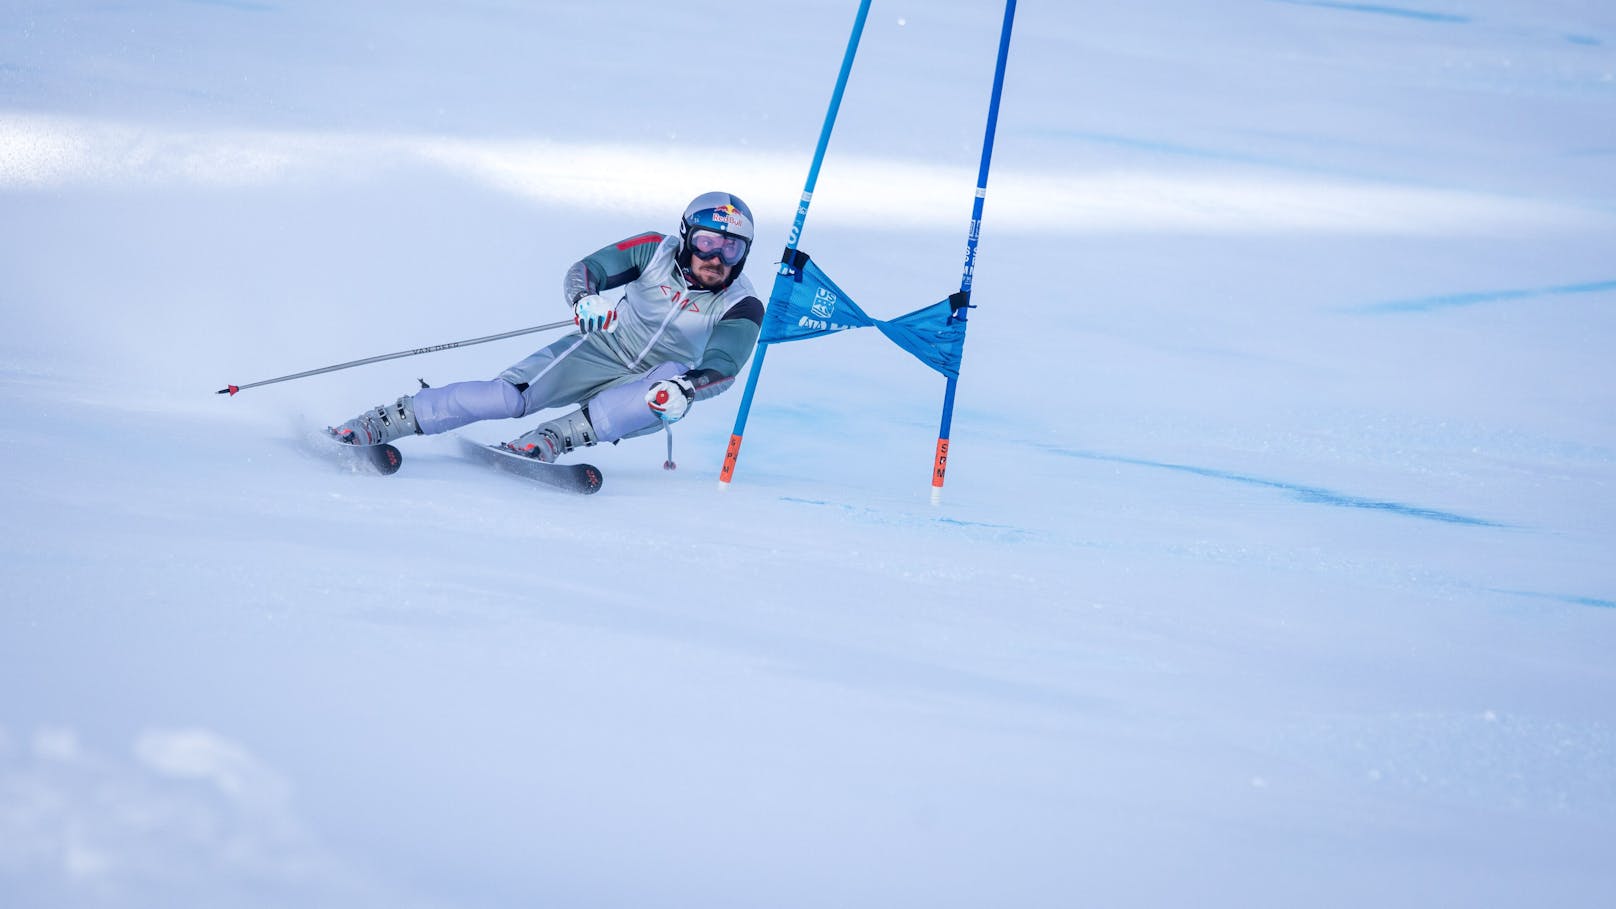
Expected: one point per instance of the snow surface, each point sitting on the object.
(1275, 565)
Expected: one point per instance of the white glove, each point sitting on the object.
(670, 398)
(594, 312)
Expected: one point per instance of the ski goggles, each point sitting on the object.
(705, 244)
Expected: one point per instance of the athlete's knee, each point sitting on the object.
(620, 412)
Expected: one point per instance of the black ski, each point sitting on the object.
(383, 459)
(583, 479)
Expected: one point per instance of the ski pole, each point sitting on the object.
(232, 389)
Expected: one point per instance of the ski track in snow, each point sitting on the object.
(1400, 12)
(1310, 494)
(1478, 297)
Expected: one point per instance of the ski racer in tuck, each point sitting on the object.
(663, 321)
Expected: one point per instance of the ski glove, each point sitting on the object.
(594, 312)
(670, 398)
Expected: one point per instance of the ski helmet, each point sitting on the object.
(720, 213)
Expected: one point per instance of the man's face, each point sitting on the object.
(710, 272)
(714, 255)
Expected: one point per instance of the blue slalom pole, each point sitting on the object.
(940, 461)
(786, 269)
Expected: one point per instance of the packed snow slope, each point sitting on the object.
(1275, 565)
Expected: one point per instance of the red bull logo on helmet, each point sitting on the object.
(729, 214)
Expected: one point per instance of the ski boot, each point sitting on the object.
(380, 425)
(551, 440)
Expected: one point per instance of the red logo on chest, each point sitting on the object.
(679, 298)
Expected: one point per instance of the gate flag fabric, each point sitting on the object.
(808, 304)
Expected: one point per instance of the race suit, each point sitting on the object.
(664, 325)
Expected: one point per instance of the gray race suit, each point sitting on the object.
(665, 326)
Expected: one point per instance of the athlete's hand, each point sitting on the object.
(594, 313)
(670, 398)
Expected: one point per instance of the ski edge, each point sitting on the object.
(384, 459)
(580, 479)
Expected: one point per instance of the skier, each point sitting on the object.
(679, 332)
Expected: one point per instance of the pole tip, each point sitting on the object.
(228, 390)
